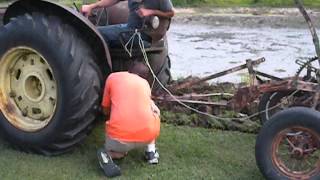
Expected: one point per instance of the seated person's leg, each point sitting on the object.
(111, 34)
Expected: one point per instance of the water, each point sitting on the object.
(201, 50)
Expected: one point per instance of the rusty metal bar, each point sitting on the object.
(206, 95)
(313, 31)
(219, 74)
(288, 85)
(247, 95)
(170, 99)
(268, 76)
(251, 72)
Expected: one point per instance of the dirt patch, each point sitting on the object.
(246, 17)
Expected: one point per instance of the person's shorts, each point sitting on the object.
(122, 147)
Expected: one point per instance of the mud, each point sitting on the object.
(246, 17)
(200, 45)
(208, 40)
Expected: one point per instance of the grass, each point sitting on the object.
(186, 153)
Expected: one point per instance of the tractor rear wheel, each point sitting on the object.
(50, 85)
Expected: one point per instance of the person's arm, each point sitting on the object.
(143, 12)
(106, 111)
(87, 9)
(165, 10)
(106, 101)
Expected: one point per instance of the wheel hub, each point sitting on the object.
(296, 152)
(27, 88)
(33, 88)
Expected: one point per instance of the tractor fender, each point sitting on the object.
(81, 24)
(118, 13)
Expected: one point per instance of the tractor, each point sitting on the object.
(53, 65)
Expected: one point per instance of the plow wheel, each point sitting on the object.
(288, 146)
(50, 87)
(273, 102)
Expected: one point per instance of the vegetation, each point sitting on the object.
(186, 153)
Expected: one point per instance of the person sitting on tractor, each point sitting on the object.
(138, 10)
(134, 119)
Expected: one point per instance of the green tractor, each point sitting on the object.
(53, 64)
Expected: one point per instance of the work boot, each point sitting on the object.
(110, 169)
(152, 157)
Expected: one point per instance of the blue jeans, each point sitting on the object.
(111, 35)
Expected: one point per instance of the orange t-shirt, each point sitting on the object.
(131, 118)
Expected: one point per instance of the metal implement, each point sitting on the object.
(219, 74)
(248, 94)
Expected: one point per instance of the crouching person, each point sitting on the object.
(134, 118)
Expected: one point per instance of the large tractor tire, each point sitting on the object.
(288, 145)
(50, 86)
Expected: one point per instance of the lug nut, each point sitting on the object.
(42, 118)
(12, 94)
(25, 112)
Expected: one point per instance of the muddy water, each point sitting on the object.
(204, 49)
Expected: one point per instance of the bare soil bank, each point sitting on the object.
(241, 17)
(246, 17)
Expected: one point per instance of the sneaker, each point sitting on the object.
(152, 157)
(109, 168)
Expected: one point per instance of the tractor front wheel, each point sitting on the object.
(49, 85)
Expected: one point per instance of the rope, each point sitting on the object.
(144, 53)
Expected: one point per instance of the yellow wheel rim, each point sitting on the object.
(28, 89)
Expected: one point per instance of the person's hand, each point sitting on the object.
(155, 109)
(86, 10)
(143, 12)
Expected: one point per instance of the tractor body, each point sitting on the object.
(53, 65)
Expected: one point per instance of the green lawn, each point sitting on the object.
(186, 153)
